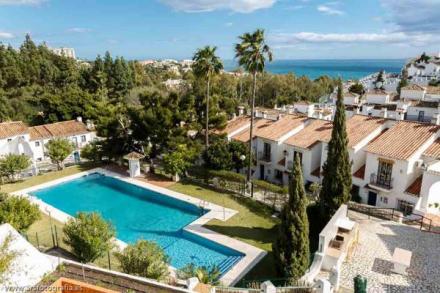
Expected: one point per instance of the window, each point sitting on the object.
(421, 117)
(37, 144)
(405, 207)
(83, 138)
(9, 139)
(39, 159)
(384, 171)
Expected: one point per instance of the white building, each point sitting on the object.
(377, 96)
(417, 67)
(395, 164)
(413, 92)
(17, 138)
(66, 52)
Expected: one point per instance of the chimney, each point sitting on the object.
(436, 119)
(384, 112)
(240, 110)
(234, 116)
(290, 109)
(79, 119)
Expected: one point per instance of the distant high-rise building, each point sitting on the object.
(67, 52)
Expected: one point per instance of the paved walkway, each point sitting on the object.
(372, 257)
(154, 179)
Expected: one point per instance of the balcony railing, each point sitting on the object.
(262, 156)
(381, 182)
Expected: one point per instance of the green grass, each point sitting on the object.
(252, 224)
(36, 180)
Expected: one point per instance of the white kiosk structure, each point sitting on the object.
(134, 164)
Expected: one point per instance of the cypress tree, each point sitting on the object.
(291, 249)
(336, 184)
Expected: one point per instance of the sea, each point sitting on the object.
(345, 69)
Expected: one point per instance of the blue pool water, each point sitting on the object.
(139, 213)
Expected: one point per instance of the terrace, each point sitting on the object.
(373, 255)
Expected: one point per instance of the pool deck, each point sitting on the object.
(252, 255)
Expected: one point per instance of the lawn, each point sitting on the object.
(35, 180)
(252, 224)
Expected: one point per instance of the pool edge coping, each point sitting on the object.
(252, 254)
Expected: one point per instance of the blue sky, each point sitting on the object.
(295, 29)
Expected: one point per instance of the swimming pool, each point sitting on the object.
(140, 213)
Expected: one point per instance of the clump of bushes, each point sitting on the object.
(89, 236)
(145, 259)
(18, 211)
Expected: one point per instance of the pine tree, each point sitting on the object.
(336, 184)
(291, 249)
(403, 81)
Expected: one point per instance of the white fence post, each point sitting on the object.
(268, 287)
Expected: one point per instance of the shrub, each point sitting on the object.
(266, 186)
(92, 152)
(18, 211)
(89, 236)
(228, 175)
(179, 160)
(145, 259)
(218, 156)
(12, 164)
(205, 275)
(59, 149)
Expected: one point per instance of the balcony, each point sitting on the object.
(263, 156)
(381, 182)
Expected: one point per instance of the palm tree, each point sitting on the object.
(252, 53)
(206, 65)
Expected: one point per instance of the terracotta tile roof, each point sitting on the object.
(359, 127)
(360, 173)
(59, 129)
(280, 127)
(415, 187)
(235, 124)
(413, 87)
(377, 92)
(259, 124)
(282, 162)
(402, 140)
(134, 156)
(316, 131)
(434, 90)
(434, 150)
(13, 128)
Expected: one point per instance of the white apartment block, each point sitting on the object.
(18, 138)
(66, 52)
(395, 164)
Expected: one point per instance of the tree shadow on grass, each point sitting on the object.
(257, 234)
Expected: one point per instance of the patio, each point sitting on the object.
(372, 258)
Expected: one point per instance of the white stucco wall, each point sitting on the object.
(412, 95)
(377, 98)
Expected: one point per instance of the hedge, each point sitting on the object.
(228, 175)
(266, 186)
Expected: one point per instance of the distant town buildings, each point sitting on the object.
(66, 52)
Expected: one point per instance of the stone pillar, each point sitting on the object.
(268, 287)
(323, 286)
(191, 283)
(134, 167)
